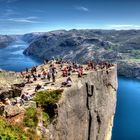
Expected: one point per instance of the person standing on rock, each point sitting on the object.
(49, 74)
(53, 69)
(27, 70)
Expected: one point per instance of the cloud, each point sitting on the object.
(122, 26)
(25, 20)
(82, 8)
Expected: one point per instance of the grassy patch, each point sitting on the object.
(45, 98)
(27, 131)
(135, 59)
(31, 119)
(11, 132)
(30, 122)
(45, 119)
(47, 101)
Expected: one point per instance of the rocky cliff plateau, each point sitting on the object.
(85, 110)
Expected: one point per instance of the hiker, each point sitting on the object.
(19, 101)
(33, 70)
(80, 71)
(34, 76)
(28, 78)
(43, 74)
(46, 61)
(49, 74)
(27, 70)
(65, 72)
(37, 87)
(26, 96)
(53, 73)
(53, 77)
(22, 74)
(67, 83)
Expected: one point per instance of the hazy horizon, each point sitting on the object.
(20, 17)
(68, 30)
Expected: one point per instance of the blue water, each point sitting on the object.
(127, 117)
(12, 57)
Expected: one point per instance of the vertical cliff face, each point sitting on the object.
(86, 110)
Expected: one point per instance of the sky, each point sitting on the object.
(25, 16)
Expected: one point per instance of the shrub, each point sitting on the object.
(11, 132)
(45, 119)
(45, 98)
(30, 119)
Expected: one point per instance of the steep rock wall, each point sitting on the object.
(86, 110)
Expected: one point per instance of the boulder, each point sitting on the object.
(29, 104)
(11, 111)
(16, 91)
(5, 93)
(12, 92)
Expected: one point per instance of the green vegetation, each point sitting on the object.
(47, 101)
(31, 119)
(135, 59)
(11, 132)
(27, 130)
(45, 98)
(45, 119)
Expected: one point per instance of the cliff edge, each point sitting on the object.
(86, 110)
(83, 111)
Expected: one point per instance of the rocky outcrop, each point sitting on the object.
(11, 92)
(11, 84)
(11, 111)
(86, 110)
(129, 69)
(84, 45)
(8, 78)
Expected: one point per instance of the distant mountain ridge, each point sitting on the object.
(117, 46)
(101, 42)
(5, 40)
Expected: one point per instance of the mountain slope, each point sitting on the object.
(122, 47)
(5, 40)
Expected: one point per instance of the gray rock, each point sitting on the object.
(10, 110)
(10, 93)
(29, 104)
(87, 109)
(6, 93)
(129, 69)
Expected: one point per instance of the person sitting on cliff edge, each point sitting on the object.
(67, 83)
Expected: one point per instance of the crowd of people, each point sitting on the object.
(49, 71)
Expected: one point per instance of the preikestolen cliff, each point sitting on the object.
(69, 70)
